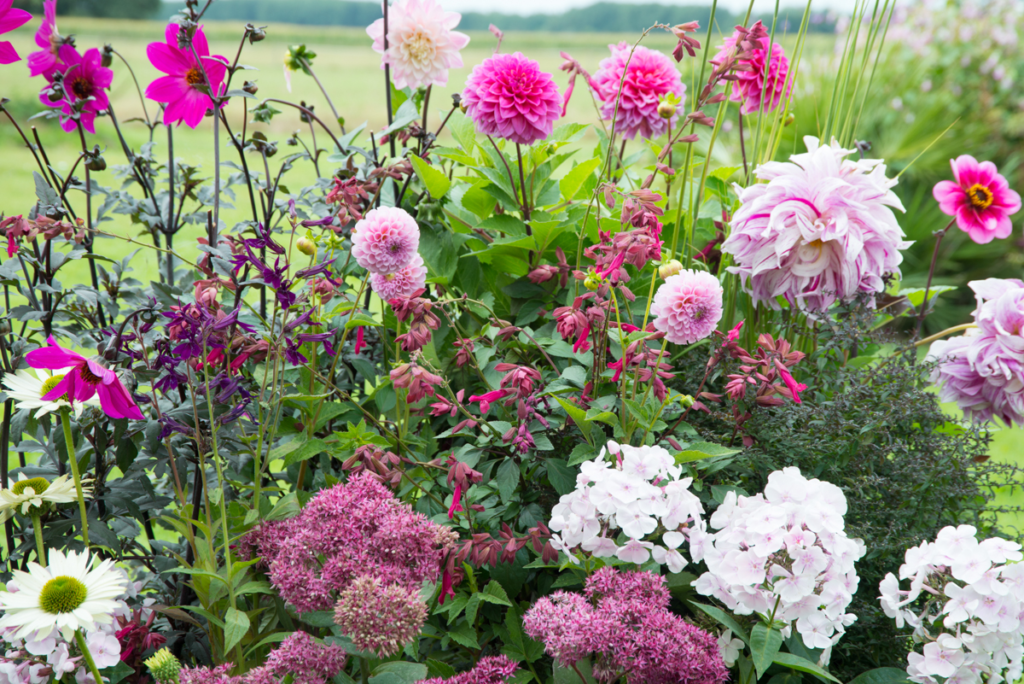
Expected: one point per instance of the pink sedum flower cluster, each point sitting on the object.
(301, 656)
(979, 199)
(422, 46)
(624, 624)
(970, 616)
(983, 370)
(688, 306)
(345, 532)
(489, 670)
(760, 83)
(508, 96)
(381, 619)
(820, 230)
(649, 77)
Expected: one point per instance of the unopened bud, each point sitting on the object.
(592, 282)
(790, 118)
(250, 87)
(107, 59)
(306, 246)
(666, 110)
(686, 401)
(164, 667)
(669, 268)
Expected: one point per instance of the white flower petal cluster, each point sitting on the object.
(966, 605)
(639, 495)
(784, 552)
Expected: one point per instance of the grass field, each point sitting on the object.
(351, 73)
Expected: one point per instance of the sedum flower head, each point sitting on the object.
(688, 306)
(164, 667)
(422, 46)
(385, 240)
(510, 97)
(489, 670)
(649, 77)
(379, 618)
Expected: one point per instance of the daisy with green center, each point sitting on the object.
(28, 390)
(28, 493)
(69, 595)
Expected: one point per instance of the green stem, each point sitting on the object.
(84, 648)
(364, 668)
(69, 442)
(37, 527)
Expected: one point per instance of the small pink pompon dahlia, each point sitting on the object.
(687, 306)
(757, 76)
(403, 283)
(820, 230)
(510, 97)
(650, 76)
(980, 199)
(183, 88)
(422, 46)
(385, 240)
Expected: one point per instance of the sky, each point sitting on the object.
(556, 6)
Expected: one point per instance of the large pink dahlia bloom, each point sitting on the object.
(687, 306)
(983, 370)
(385, 240)
(422, 46)
(760, 83)
(510, 97)
(980, 199)
(402, 283)
(10, 19)
(650, 76)
(820, 230)
(183, 89)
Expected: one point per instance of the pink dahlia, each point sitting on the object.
(650, 76)
(385, 240)
(85, 83)
(980, 199)
(183, 90)
(44, 61)
(510, 97)
(820, 230)
(983, 370)
(422, 46)
(402, 283)
(10, 19)
(757, 76)
(687, 306)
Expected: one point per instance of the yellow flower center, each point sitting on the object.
(62, 595)
(49, 384)
(37, 484)
(980, 196)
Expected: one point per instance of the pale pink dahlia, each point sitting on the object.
(820, 230)
(402, 283)
(510, 97)
(650, 76)
(422, 46)
(385, 240)
(687, 306)
(759, 77)
(983, 370)
(980, 199)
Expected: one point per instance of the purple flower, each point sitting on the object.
(85, 83)
(380, 618)
(45, 61)
(302, 657)
(688, 306)
(510, 97)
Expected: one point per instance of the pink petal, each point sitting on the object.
(117, 403)
(200, 44)
(8, 55)
(167, 59)
(54, 356)
(949, 195)
(67, 385)
(167, 89)
(12, 19)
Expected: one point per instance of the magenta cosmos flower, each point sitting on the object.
(385, 240)
(85, 87)
(650, 76)
(687, 306)
(981, 200)
(182, 89)
(422, 46)
(510, 97)
(85, 379)
(44, 61)
(758, 76)
(820, 230)
(10, 19)
(402, 283)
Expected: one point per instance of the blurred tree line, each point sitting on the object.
(128, 9)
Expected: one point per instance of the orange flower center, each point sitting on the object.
(87, 375)
(82, 88)
(979, 196)
(194, 76)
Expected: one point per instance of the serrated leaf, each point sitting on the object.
(464, 635)
(507, 479)
(307, 450)
(236, 624)
(436, 181)
(578, 415)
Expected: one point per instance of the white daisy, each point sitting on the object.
(28, 391)
(67, 596)
(35, 492)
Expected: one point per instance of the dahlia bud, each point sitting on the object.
(250, 87)
(108, 55)
(164, 667)
(306, 246)
(666, 110)
(592, 282)
(669, 268)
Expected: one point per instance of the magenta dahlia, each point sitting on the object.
(760, 83)
(43, 62)
(688, 306)
(183, 89)
(85, 87)
(820, 230)
(402, 283)
(980, 199)
(422, 46)
(510, 97)
(385, 240)
(10, 19)
(650, 76)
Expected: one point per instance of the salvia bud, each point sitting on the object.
(256, 34)
(96, 163)
(686, 401)
(306, 246)
(669, 268)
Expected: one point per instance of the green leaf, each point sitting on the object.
(507, 478)
(307, 450)
(795, 662)
(495, 593)
(405, 671)
(436, 668)
(464, 635)
(724, 618)
(463, 130)
(318, 618)
(434, 179)
(572, 181)
(236, 624)
(561, 476)
(581, 453)
(701, 450)
(764, 647)
(439, 252)
(119, 672)
(566, 675)
(579, 416)
(881, 675)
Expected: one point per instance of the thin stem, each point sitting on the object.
(88, 243)
(522, 188)
(138, 89)
(84, 648)
(69, 442)
(743, 147)
(387, 80)
(323, 90)
(37, 528)
(216, 175)
(931, 273)
(170, 204)
(944, 333)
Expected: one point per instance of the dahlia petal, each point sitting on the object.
(949, 195)
(117, 403)
(8, 55)
(52, 356)
(168, 59)
(11, 19)
(167, 89)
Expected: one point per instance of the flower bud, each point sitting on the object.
(108, 56)
(669, 268)
(306, 246)
(592, 282)
(164, 667)
(790, 118)
(686, 401)
(250, 87)
(666, 110)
